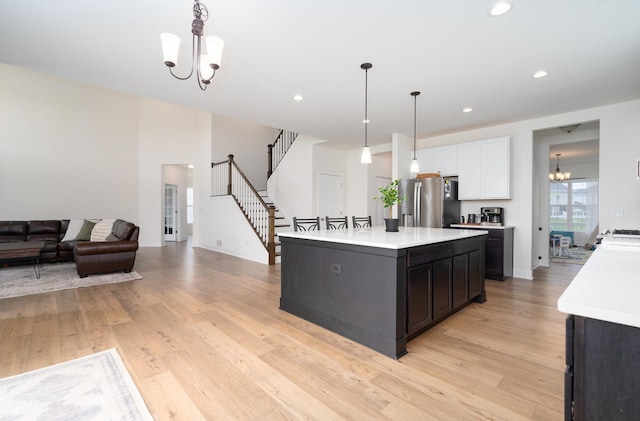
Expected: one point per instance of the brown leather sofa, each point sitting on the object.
(91, 257)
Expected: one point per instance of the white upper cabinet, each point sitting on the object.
(445, 160)
(484, 169)
(469, 169)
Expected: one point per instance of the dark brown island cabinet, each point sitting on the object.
(602, 378)
(498, 251)
(378, 296)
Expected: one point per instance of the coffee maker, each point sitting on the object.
(492, 216)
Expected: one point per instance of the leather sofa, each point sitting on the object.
(91, 257)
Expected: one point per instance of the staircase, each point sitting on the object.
(280, 224)
(261, 213)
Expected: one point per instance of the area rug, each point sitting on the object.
(21, 280)
(95, 387)
(578, 256)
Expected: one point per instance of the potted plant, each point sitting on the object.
(389, 196)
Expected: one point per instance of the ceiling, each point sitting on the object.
(451, 51)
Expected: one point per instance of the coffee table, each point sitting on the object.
(22, 249)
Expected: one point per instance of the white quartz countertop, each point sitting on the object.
(607, 287)
(484, 227)
(377, 236)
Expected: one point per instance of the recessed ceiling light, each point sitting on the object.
(297, 97)
(467, 110)
(499, 8)
(539, 74)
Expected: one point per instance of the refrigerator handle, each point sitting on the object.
(417, 198)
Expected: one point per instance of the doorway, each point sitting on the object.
(330, 195)
(170, 212)
(379, 211)
(579, 147)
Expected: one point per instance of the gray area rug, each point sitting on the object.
(579, 256)
(95, 387)
(21, 280)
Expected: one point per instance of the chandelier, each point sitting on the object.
(205, 64)
(559, 175)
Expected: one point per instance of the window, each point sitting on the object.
(189, 205)
(573, 206)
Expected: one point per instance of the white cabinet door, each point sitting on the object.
(484, 169)
(445, 160)
(469, 171)
(495, 171)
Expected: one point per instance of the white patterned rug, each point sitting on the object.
(21, 280)
(95, 387)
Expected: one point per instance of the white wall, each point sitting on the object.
(248, 144)
(224, 228)
(291, 186)
(168, 134)
(67, 150)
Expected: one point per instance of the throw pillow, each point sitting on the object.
(73, 229)
(85, 232)
(102, 229)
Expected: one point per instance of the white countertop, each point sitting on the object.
(377, 237)
(607, 287)
(484, 227)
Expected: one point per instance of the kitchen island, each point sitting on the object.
(602, 380)
(381, 288)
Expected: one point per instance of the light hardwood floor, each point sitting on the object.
(203, 338)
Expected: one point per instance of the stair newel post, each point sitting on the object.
(270, 160)
(272, 235)
(229, 179)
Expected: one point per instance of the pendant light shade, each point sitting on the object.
(366, 152)
(415, 167)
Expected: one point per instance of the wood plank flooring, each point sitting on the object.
(203, 338)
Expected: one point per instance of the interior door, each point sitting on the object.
(330, 195)
(170, 212)
(379, 211)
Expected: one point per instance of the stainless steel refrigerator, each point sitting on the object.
(430, 202)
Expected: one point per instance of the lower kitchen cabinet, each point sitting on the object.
(441, 280)
(419, 312)
(602, 379)
(498, 251)
(499, 254)
(441, 288)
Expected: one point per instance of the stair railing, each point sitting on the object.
(228, 179)
(277, 150)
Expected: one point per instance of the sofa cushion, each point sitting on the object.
(102, 229)
(85, 232)
(75, 225)
(43, 230)
(123, 229)
(13, 231)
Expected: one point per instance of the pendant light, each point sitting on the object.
(415, 167)
(558, 175)
(366, 152)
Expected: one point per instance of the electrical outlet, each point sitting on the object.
(617, 212)
(336, 268)
(218, 243)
